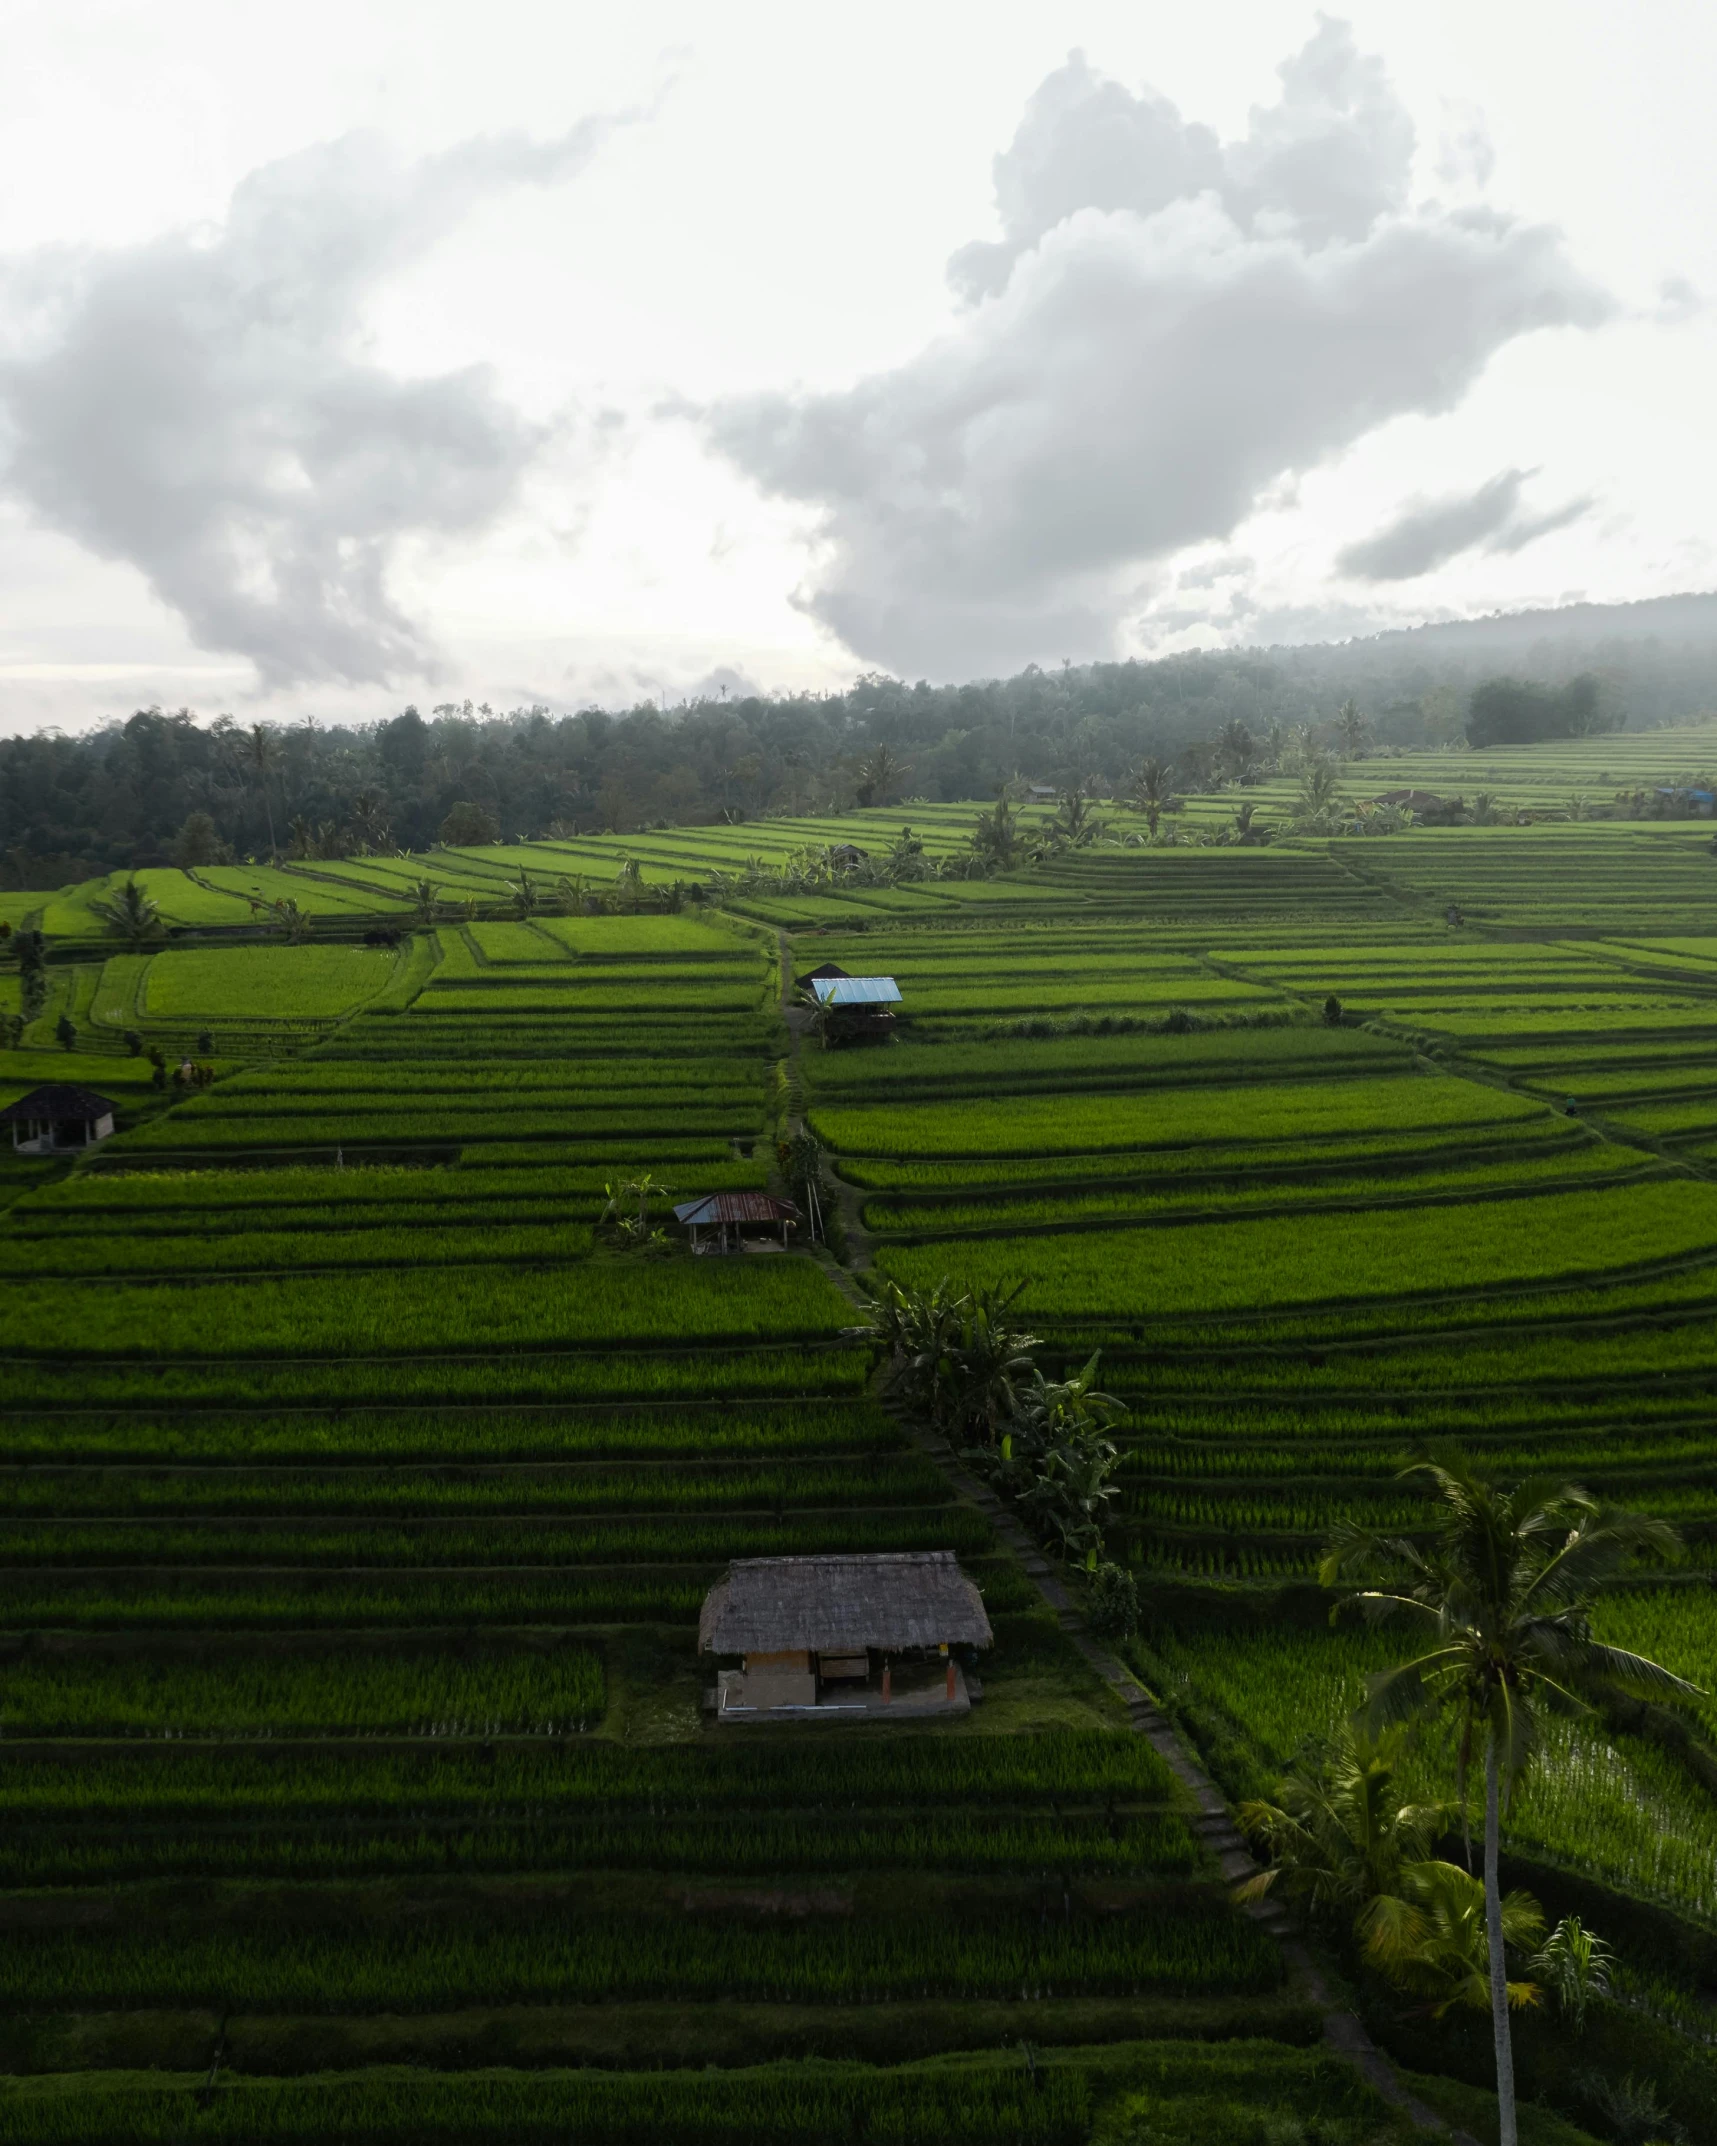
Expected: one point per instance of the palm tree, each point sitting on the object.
(1238, 750)
(1317, 789)
(524, 894)
(1148, 790)
(1074, 825)
(425, 901)
(1350, 728)
(131, 915)
(1503, 1589)
(880, 775)
(1338, 1836)
(285, 916)
(369, 816)
(1434, 1938)
(259, 755)
(996, 836)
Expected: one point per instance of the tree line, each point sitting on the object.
(163, 787)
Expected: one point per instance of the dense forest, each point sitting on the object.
(159, 788)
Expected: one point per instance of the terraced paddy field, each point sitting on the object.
(358, 1496)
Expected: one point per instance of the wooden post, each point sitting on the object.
(887, 1684)
(950, 1680)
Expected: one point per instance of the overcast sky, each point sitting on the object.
(355, 353)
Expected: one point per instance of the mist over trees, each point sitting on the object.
(167, 788)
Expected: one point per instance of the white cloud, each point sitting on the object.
(1167, 330)
(1426, 533)
(202, 406)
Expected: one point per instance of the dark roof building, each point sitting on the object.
(731, 1211)
(58, 1119)
(1423, 804)
(893, 1601)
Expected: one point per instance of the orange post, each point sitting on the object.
(887, 1684)
(950, 1677)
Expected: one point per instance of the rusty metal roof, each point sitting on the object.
(718, 1207)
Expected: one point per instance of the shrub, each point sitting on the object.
(1114, 1602)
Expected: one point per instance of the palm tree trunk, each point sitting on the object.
(1498, 1961)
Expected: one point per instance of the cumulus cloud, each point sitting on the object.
(1428, 532)
(202, 406)
(1168, 327)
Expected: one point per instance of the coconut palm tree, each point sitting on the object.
(1317, 789)
(131, 915)
(1148, 790)
(425, 901)
(1502, 1588)
(880, 775)
(259, 755)
(1338, 1835)
(1351, 728)
(995, 838)
(1434, 1938)
(1238, 750)
(369, 816)
(1075, 825)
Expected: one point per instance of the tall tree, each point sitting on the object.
(259, 755)
(131, 915)
(1148, 790)
(1351, 729)
(880, 775)
(1502, 1586)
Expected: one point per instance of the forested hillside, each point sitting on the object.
(159, 788)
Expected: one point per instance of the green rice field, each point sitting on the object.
(359, 1491)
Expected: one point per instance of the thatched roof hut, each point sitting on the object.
(891, 1601)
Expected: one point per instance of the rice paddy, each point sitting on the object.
(360, 1495)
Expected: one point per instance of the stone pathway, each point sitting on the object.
(1213, 1822)
(1344, 2031)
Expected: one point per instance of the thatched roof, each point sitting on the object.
(59, 1099)
(895, 1599)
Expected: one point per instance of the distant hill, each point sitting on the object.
(152, 789)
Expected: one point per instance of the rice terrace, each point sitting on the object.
(476, 1667)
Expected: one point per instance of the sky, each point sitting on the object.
(367, 353)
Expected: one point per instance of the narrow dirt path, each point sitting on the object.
(1344, 2031)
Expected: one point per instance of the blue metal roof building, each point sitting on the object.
(856, 990)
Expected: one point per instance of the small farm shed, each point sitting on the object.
(856, 1009)
(58, 1119)
(1424, 805)
(1682, 799)
(823, 973)
(731, 1212)
(827, 1634)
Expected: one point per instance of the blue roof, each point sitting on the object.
(856, 990)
